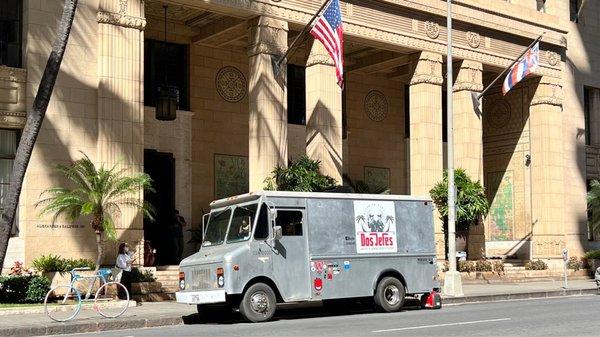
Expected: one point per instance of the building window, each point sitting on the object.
(574, 9)
(344, 112)
(296, 94)
(407, 111)
(541, 6)
(9, 139)
(166, 63)
(586, 113)
(10, 32)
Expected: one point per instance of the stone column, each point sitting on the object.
(468, 136)
(267, 99)
(323, 113)
(547, 141)
(426, 165)
(121, 101)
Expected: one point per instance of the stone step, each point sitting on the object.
(154, 297)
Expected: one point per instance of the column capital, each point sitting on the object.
(469, 76)
(549, 92)
(124, 13)
(267, 36)
(427, 69)
(319, 55)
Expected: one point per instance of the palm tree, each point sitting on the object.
(97, 193)
(593, 201)
(35, 117)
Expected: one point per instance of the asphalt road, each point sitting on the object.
(571, 316)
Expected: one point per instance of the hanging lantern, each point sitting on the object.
(167, 101)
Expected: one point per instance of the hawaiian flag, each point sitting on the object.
(524, 67)
(328, 29)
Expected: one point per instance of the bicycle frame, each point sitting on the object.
(77, 278)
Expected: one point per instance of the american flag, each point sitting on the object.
(328, 29)
(519, 71)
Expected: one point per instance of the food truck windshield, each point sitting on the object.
(239, 230)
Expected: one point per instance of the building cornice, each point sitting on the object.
(122, 20)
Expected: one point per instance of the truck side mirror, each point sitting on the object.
(277, 233)
(273, 213)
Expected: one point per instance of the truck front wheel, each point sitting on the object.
(258, 303)
(389, 295)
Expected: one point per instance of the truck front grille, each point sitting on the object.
(200, 279)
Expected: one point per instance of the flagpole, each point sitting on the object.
(306, 28)
(510, 66)
(452, 279)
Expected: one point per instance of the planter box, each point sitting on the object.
(60, 279)
(146, 288)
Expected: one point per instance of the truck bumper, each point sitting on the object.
(201, 297)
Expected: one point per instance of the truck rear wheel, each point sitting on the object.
(389, 295)
(258, 303)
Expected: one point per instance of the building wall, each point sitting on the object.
(371, 143)
(70, 125)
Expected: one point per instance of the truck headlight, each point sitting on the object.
(181, 280)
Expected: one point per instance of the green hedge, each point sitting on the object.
(592, 254)
(23, 289)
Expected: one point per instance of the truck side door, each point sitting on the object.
(290, 258)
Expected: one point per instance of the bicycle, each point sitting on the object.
(64, 302)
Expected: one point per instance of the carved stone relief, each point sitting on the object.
(473, 39)
(432, 29)
(231, 84)
(376, 105)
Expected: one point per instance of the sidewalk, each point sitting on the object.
(170, 313)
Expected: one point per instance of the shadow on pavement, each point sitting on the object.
(293, 312)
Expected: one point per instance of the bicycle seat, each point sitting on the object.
(104, 272)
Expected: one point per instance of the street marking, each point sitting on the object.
(447, 324)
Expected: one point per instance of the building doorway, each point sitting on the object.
(160, 166)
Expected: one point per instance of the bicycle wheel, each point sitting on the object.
(62, 303)
(111, 300)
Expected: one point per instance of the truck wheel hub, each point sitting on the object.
(391, 294)
(259, 302)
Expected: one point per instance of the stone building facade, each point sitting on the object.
(535, 149)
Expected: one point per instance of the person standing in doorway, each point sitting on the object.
(124, 262)
(179, 224)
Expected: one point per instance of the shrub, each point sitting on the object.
(37, 289)
(466, 266)
(142, 276)
(49, 263)
(13, 289)
(483, 265)
(592, 254)
(498, 267)
(574, 263)
(55, 263)
(536, 265)
(79, 263)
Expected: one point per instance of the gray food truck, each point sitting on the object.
(265, 248)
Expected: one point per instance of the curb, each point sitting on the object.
(138, 323)
(106, 325)
(519, 296)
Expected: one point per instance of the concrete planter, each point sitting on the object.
(64, 278)
(143, 288)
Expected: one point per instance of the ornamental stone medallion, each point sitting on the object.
(499, 115)
(432, 29)
(231, 84)
(473, 39)
(376, 106)
(553, 58)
